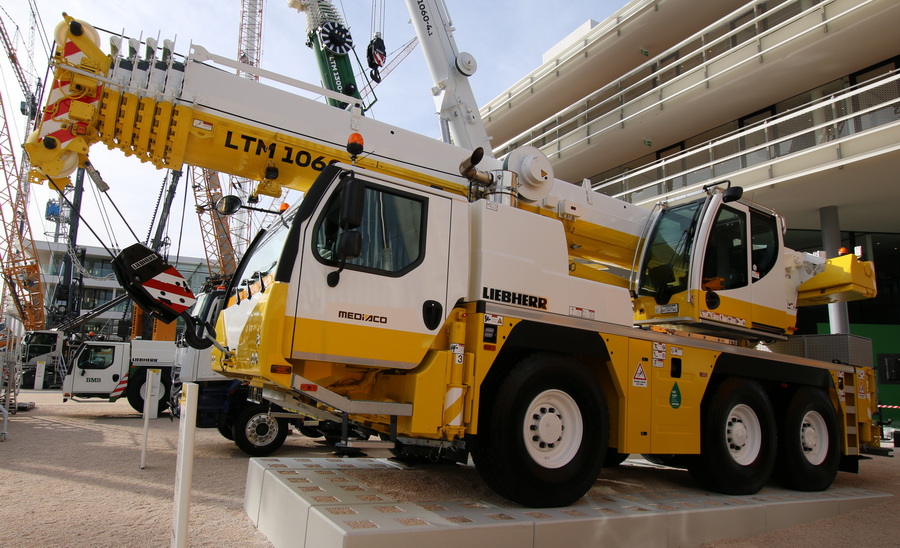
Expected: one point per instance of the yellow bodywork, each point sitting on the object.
(845, 278)
(85, 108)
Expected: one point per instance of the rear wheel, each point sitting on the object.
(137, 390)
(543, 438)
(808, 452)
(257, 433)
(737, 441)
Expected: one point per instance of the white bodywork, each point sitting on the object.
(519, 258)
(100, 368)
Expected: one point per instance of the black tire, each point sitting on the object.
(809, 452)
(542, 438)
(614, 458)
(137, 388)
(257, 433)
(224, 428)
(737, 440)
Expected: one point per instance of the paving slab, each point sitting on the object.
(312, 503)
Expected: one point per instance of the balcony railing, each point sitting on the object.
(570, 54)
(756, 29)
(863, 108)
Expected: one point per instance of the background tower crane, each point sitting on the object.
(18, 259)
(21, 273)
(226, 238)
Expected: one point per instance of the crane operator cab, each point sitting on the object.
(715, 265)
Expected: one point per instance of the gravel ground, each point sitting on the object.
(71, 477)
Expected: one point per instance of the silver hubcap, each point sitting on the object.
(261, 429)
(743, 434)
(814, 438)
(553, 429)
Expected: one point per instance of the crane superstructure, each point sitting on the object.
(459, 304)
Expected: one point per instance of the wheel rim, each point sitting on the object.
(743, 434)
(145, 388)
(814, 438)
(553, 429)
(261, 429)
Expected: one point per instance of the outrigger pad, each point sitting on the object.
(152, 283)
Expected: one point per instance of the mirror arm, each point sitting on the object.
(334, 277)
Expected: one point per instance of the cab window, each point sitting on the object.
(96, 357)
(764, 244)
(725, 260)
(393, 232)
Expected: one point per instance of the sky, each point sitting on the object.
(507, 39)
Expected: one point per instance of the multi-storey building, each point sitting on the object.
(98, 285)
(796, 101)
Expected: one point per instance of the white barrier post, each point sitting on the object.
(151, 407)
(39, 375)
(184, 466)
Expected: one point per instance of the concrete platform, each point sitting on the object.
(313, 503)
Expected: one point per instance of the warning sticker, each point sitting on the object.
(675, 351)
(659, 363)
(659, 346)
(639, 378)
(493, 319)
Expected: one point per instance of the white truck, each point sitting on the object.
(112, 370)
(39, 347)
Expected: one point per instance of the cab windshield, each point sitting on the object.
(263, 254)
(36, 343)
(668, 257)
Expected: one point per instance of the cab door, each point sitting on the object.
(741, 282)
(723, 266)
(97, 369)
(770, 310)
(381, 301)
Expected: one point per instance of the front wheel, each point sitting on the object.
(737, 440)
(543, 437)
(137, 390)
(257, 433)
(808, 451)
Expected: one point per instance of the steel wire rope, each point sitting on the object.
(124, 220)
(104, 216)
(86, 224)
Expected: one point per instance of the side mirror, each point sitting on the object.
(352, 200)
(228, 205)
(732, 194)
(349, 247)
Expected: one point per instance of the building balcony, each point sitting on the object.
(756, 56)
(858, 128)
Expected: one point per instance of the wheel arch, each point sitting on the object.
(530, 337)
(778, 379)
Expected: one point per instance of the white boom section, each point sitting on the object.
(450, 70)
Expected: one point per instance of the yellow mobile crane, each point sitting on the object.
(457, 304)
